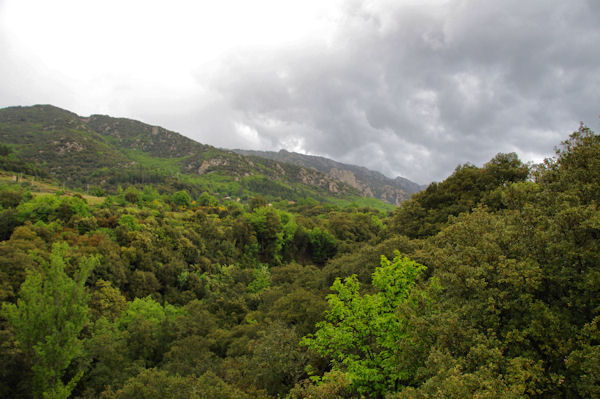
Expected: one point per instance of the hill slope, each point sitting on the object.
(104, 151)
(369, 182)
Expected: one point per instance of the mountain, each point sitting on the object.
(104, 152)
(369, 182)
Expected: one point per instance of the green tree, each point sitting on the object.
(334, 385)
(262, 279)
(428, 211)
(106, 301)
(267, 224)
(48, 319)
(10, 198)
(277, 361)
(158, 384)
(148, 325)
(205, 199)
(181, 198)
(323, 245)
(257, 202)
(132, 195)
(361, 332)
(8, 223)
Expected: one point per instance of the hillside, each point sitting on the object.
(103, 152)
(369, 182)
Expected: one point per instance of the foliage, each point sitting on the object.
(428, 211)
(333, 385)
(277, 361)
(205, 199)
(101, 153)
(48, 319)
(181, 198)
(209, 295)
(274, 231)
(130, 222)
(322, 245)
(361, 331)
(106, 301)
(157, 384)
(262, 279)
(147, 309)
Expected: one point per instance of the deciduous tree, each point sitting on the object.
(361, 331)
(48, 319)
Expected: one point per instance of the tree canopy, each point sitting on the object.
(485, 285)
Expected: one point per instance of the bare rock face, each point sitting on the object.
(279, 169)
(333, 187)
(392, 195)
(346, 176)
(306, 177)
(211, 164)
(69, 146)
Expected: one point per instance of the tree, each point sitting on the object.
(181, 198)
(323, 245)
(262, 279)
(8, 223)
(48, 319)
(158, 384)
(107, 301)
(205, 199)
(257, 202)
(268, 227)
(147, 324)
(360, 332)
(277, 362)
(428, 211)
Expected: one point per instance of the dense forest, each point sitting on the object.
(485, 285)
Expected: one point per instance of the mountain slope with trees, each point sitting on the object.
(103, 152)
(369, 182)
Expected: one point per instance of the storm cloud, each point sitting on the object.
(405, 88)
(414, 91)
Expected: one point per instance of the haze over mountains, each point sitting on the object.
(105, 151)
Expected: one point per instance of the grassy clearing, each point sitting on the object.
(38, 187)
(360, 202)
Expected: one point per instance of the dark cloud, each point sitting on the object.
(416, 90)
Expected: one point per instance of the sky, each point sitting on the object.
(407, 88)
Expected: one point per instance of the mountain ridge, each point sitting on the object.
(107, 151)
(369, 182)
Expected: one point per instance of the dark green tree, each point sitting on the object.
(323, 245)
(277, 361)
(158, 384)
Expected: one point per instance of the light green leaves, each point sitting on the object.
(361, 331)
(48, 318)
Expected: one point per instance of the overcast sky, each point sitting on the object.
(408, 88)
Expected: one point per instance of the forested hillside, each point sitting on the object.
(485, 285)
(100, 153)
(369, 182)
